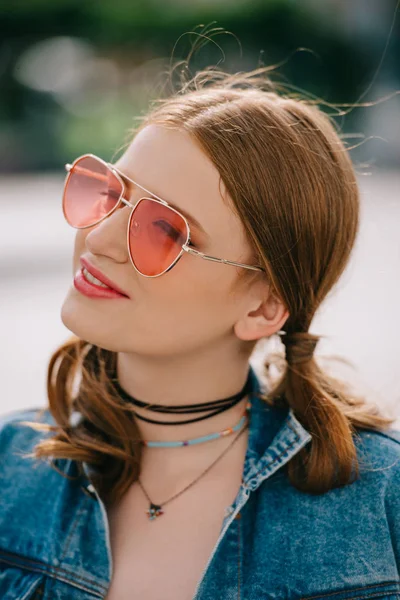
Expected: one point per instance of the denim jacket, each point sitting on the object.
(275, 543)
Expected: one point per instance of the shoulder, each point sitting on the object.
(48, 501)
(23, 475)
(378, 453)
(14, 416)
(379, 461)
(378, 444)
(18, 439)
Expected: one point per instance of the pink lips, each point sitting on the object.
(91, 289)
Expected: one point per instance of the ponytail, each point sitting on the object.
(328, 411)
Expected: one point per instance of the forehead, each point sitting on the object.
(173, 166)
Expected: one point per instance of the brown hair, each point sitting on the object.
(292, 184)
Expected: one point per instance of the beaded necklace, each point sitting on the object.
(201, 439)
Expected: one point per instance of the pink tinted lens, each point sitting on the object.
(156, 235)
(91, 192)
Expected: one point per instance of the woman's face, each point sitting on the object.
(196, 303)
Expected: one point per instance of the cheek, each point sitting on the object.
(192, 297)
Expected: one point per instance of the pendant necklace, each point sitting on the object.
(156, 510)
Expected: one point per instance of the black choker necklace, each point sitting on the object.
(217, 406)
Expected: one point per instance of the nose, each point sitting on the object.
(109, 236)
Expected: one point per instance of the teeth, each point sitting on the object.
(92, 279)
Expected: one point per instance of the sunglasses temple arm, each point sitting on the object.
(220, 260)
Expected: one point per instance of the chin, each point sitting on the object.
(81, 320)
(89, 324)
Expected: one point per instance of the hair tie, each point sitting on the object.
(299, 345)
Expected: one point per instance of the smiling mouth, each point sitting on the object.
(92, 279)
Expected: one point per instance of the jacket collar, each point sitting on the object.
(275, 436)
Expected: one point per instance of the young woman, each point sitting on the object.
(163, 467)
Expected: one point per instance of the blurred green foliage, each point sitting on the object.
(39, 130)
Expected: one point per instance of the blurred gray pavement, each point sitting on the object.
(360, 319)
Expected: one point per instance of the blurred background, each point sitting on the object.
(73, 77)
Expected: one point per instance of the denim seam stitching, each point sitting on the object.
(373, 595)
(354, 590)
(68, 541)
(43, 567)
(49, 573)
(49, 570)
(239, 524)
(376, 595)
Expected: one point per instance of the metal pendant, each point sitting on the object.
(154, 511)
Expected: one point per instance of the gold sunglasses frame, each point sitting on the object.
(120, 177)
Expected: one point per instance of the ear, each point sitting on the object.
(264, 317)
